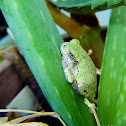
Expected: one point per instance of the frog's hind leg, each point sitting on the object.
(92, 108)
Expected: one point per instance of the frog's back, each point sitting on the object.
(86, 61)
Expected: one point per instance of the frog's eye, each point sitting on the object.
(71, 54)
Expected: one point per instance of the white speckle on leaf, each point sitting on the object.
(115, 37)
(53, 39)
(118, 114)
(74, 104)
(118, 103)
(115, 43)
(111, 75)
(112, 62)
(57, 91)
(71, 91)
(69, 116)
(119, 122)
(54, 0)
(124, 66)
(120, 78)
(123, 49)
(125, 79)
(114, 74)
(118, 11)
(124, 28)
(117, 19)
(121, 98)
(42, 16)
(55, 44)
(122, 58)
(108, 93)
(42, 61)
(108, 99)
(124, 84)
(124, 117)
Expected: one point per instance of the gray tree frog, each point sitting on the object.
(79, 69)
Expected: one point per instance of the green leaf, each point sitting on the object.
(39, 41)
(112, 90)
(87, 6)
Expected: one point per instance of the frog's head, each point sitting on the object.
(72, 46)
(75, 42)
(69, 52)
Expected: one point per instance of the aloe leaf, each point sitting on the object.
(87, 6)
(112, 90)
(39, 41)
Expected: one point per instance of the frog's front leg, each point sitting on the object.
(90, 52)
(67, 72)
(98, 71)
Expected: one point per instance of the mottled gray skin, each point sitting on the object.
(79, 69)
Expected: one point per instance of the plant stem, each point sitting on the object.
(71, 26)
(89, 36)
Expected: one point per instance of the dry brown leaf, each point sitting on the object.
(3, 120)
(26, 124)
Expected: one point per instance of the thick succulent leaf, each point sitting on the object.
(39, 42)
(87, 6)
(112, 90)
